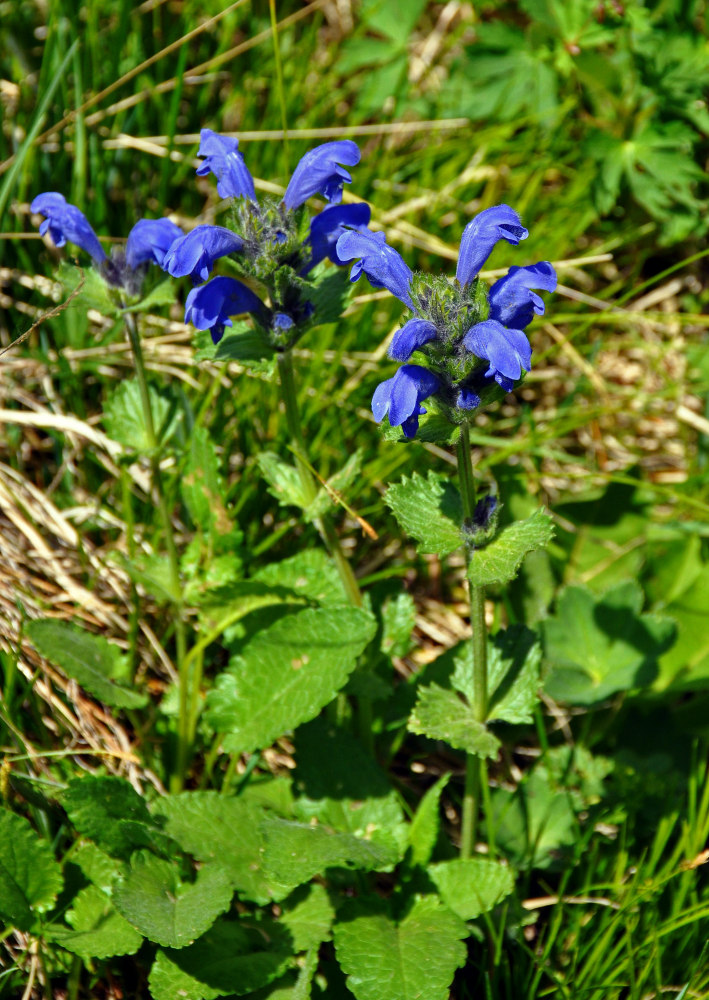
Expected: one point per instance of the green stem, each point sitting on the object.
(279, 80)
(308, 481)
(183, 744)
(475, 770)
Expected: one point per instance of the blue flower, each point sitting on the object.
(401, 397)
(319, 172)
(467, 399)
(223, 159)
(149, 240)
(506, 349)
(512, 300)
(195, 253)
(410, 337)
(481, 234)
(209, 306)
(65, 222)
(283, 322)
(327, 227)
(384, 267)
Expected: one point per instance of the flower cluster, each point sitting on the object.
(471, 337)
(269, 242)
(147, 243)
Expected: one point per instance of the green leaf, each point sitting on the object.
(283, 480)
(310, 574)
(163, 908)
(398, 620)
(440, 714)
(337, 485)
(109, 810)
(429, 510)
(89, 659)
(513, 662)
(30, 878)
(423, 830)
(295, 852)
(124, 421)
(308, 915)
(94, 293)
(409, 960)
(685, 667)
(472, 886)
(201, 486)
(221, 831)
(234, 957)
(499, 561)
(342, 787)
(97, 930)
(534, 822)
(329, 294)
(597, 646)
(163, 294)
(286, 674)
(240, 343)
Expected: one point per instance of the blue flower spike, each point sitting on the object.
(401, 397)
(319, 172)
(327, 227)
(512, 300)
(195, 253)
(223, 159)
(410, 337)
(65, 223)
(209, 306)
(480, 236)
(507, 350)
(149, 240)
(382, 265)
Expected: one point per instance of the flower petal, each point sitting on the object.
(319, 173)
(149, 240)
(508, 351)
(329, 225)
(195, 253)
(481, 234)
(384, 267)
(411, 385)
(65, 222)
(512, 300)
(410, 337)
(222, 157)
(381, 399)
(209, 306)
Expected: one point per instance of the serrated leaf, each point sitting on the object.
(97, 930)
(94, 292)
(124, 420)
(337, 484)
(308, 915)
(286, 674)
(109, 811)
(430, 510)
(295, 852)
(222, 831)
(89, 659)
(472, 886)
(513, 663)
(597, 646)
(423, 830)
(99, 868)
(499, 561)
(240, 343)
(163, 908)
(233, 958)
(284, 482)
(409, 960)
(440, 714)
(535, 821)
(30, 878)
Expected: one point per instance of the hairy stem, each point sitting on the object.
(183, 742)
(475, 770)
